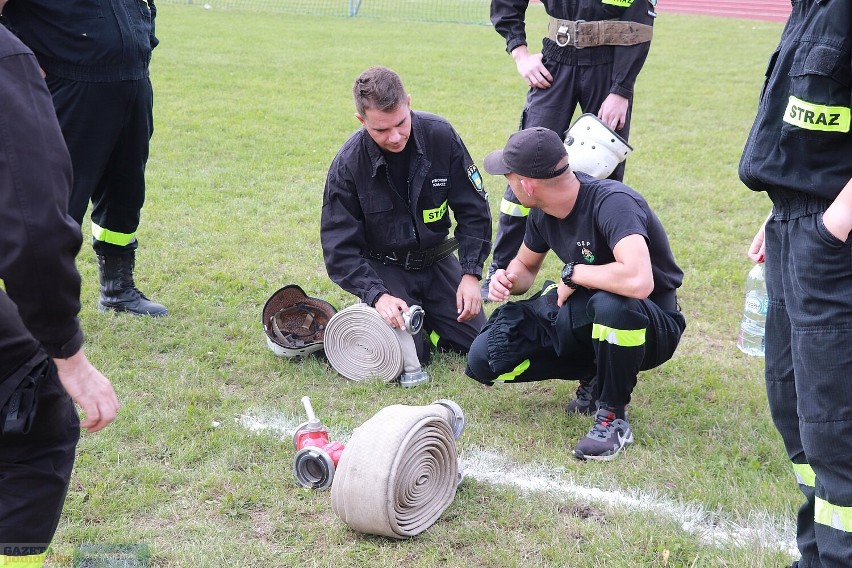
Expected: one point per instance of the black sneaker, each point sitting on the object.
(587, 399)
(606, 439)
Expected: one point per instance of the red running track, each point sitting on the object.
(769, 10)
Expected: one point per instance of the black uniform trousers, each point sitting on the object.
(554, 108)
(600, 333)
(35, 469)
(808, 362)
(107, 128)
(434, 289)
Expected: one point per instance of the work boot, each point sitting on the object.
(119, 292)
(587, 398)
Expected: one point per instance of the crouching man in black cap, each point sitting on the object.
(615, 311)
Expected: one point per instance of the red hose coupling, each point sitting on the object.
(316, 457)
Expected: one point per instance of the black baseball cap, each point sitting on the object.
(532, 152)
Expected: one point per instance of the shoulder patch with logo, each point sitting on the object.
(475, 178)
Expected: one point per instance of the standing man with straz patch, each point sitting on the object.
(799, 152)
(591, 56)
(386, 217)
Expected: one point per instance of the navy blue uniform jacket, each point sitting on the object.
(362, 212)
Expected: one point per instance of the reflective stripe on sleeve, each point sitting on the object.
(513, 209)
(112, 237)
(622, 337)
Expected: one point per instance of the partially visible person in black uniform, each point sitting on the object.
(582, 63)
(386, 216)
(799, 152)
(95, 56)
(41, 357)
(615, 311)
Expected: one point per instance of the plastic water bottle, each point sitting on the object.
(753, 324)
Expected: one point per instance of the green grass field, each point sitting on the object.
(250, 109)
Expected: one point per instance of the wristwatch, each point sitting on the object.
(567, 273)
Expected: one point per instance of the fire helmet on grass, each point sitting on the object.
(295, 322)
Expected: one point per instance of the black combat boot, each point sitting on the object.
(119, 292)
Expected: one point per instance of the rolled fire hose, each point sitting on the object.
(399, 471)
(360, 345)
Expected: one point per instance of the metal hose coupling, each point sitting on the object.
(413, 319)
(413, 374)
(316, 458)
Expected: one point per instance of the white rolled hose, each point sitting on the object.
(360, 345)
(399, 471)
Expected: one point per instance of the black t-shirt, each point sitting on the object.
(398, 164)
(606, 211)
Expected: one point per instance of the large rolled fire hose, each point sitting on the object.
(399, 471)
(360, 345)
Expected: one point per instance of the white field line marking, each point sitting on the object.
(760, 529)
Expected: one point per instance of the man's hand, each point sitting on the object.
(757, 249)
(838, 217)
(468, 298)
(391, 309)
(500, 287)
(531, 69)
(563, 292)
(613, 111)
(89, 389)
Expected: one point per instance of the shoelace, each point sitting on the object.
(585, 391)
(602, 424)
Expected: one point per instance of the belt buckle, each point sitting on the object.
(577, 33)
(412, 264)
(390, 258)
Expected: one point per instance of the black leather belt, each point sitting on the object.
(416, 259)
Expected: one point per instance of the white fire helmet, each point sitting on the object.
(295, 322)
(594, 148)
